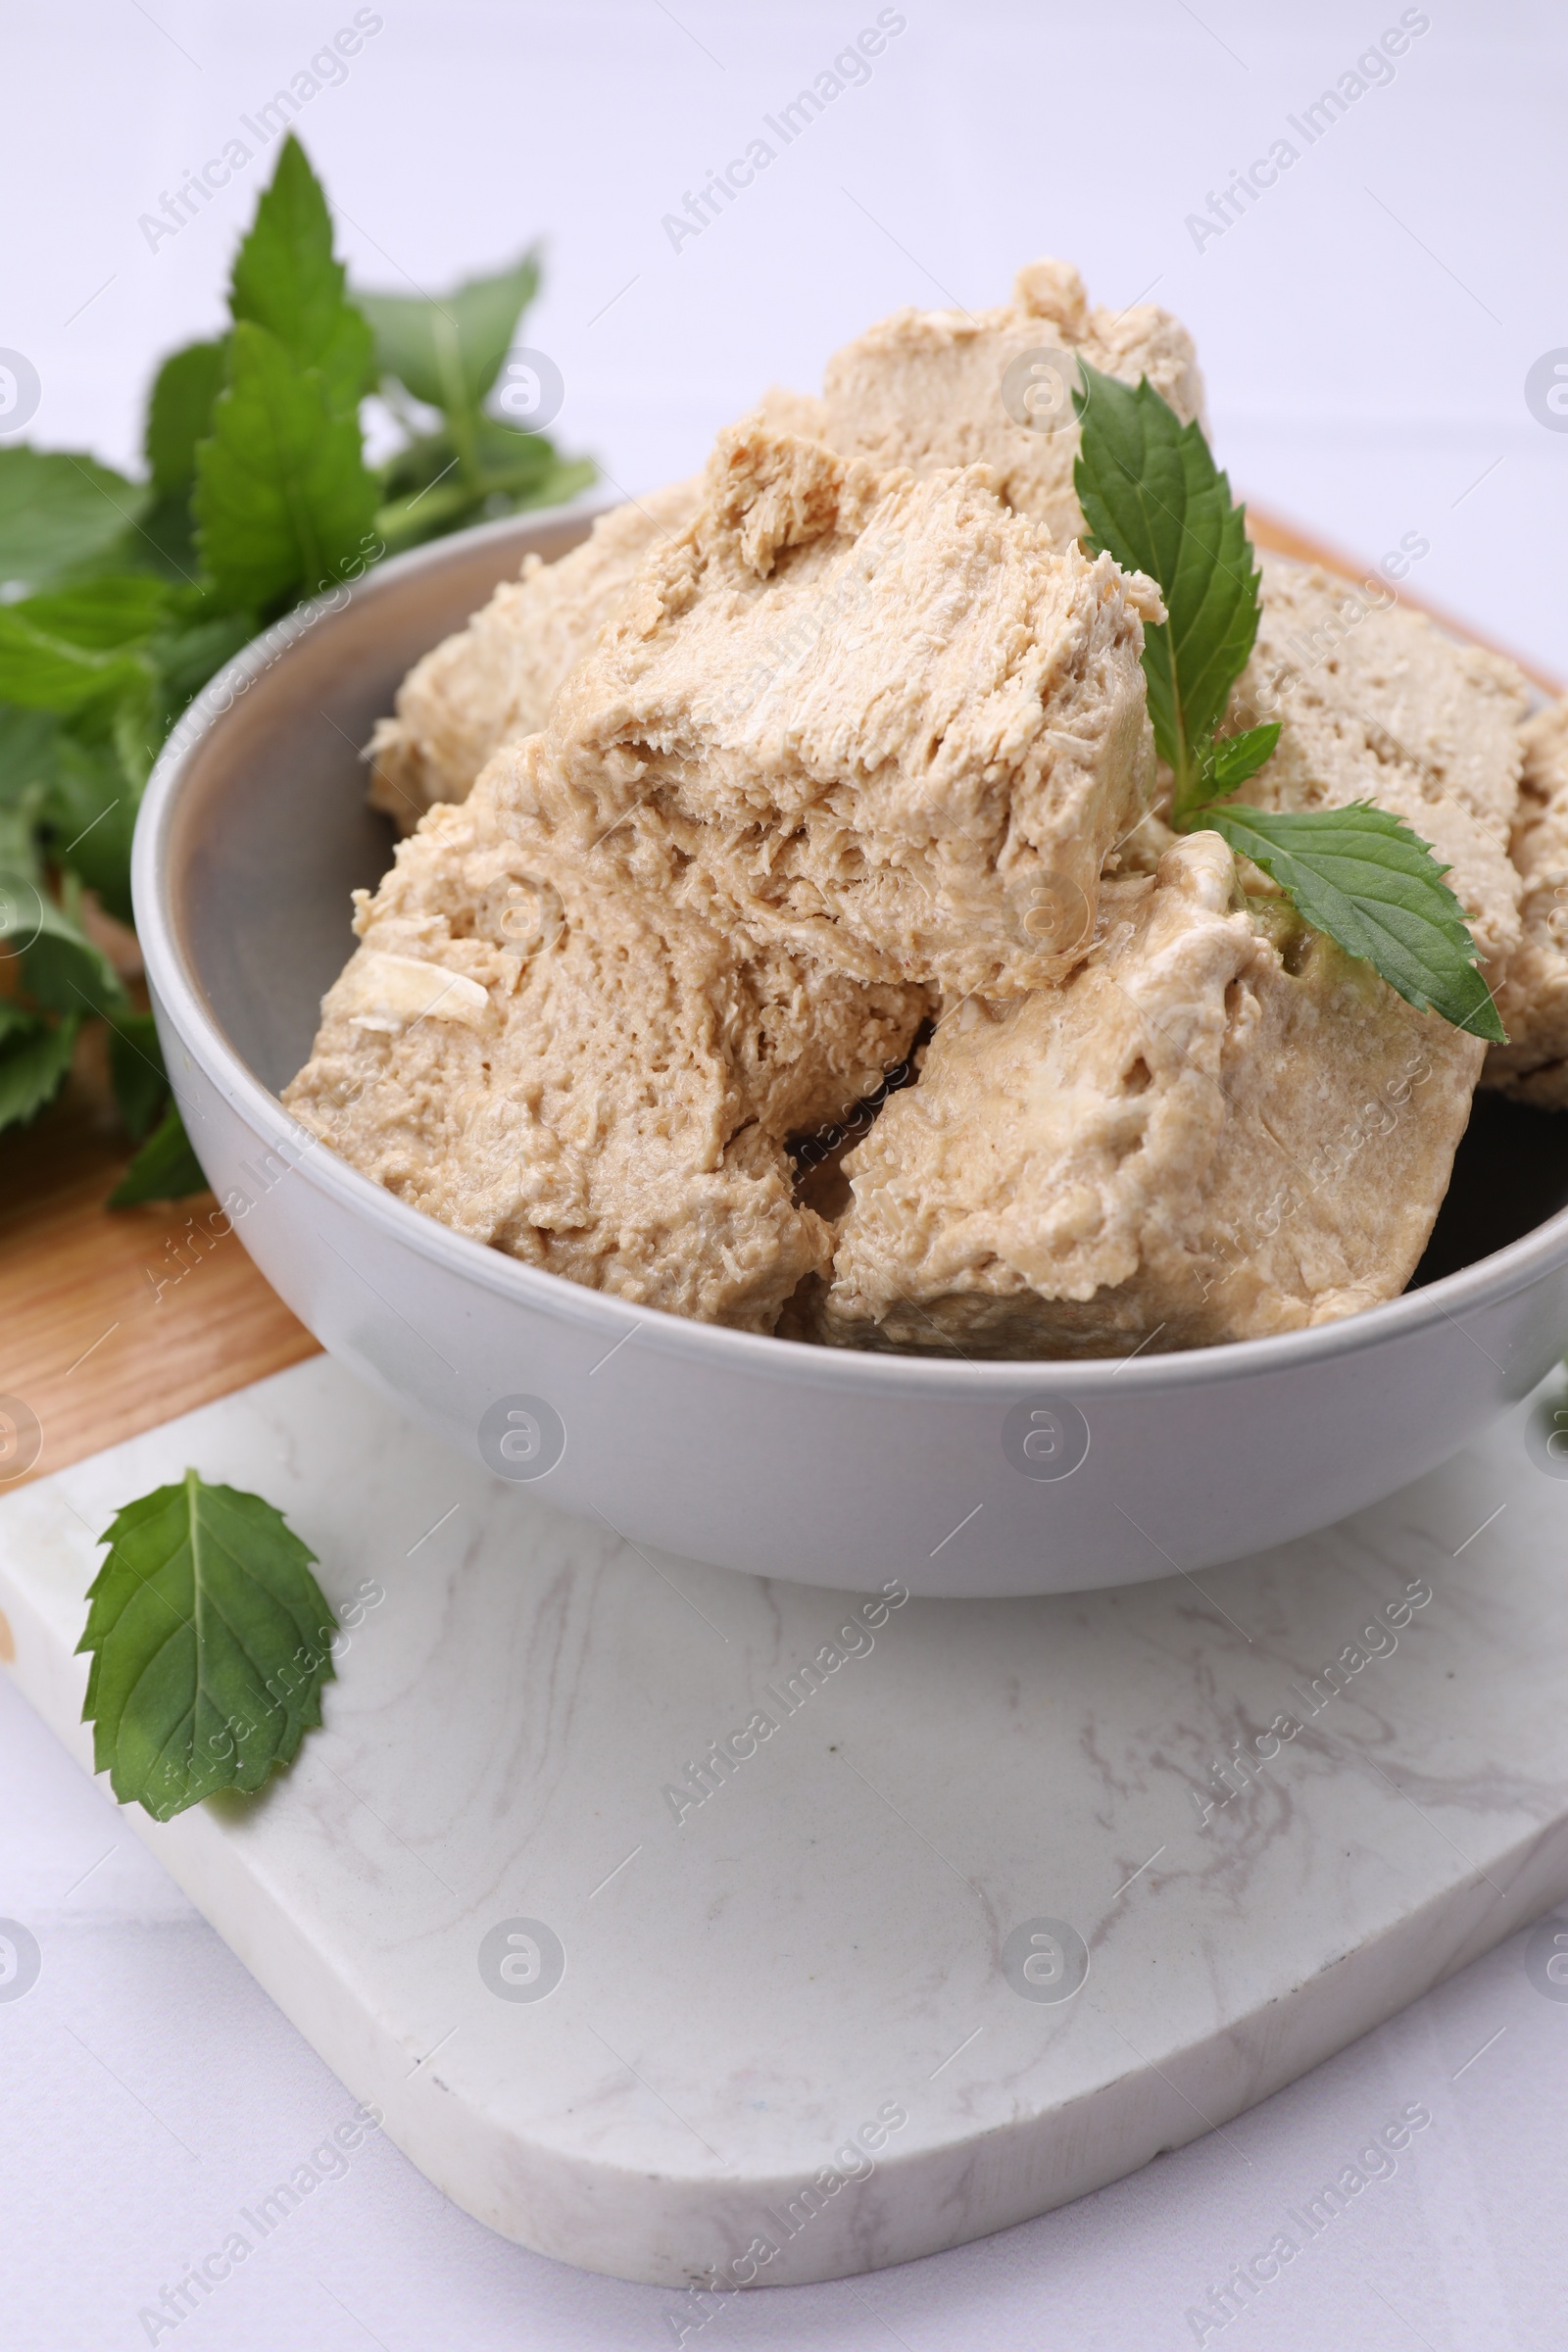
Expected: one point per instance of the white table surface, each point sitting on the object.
(1366, 332)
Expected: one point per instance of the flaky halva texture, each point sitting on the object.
(874, 720)
(1533, 999)
(1376, 704)
(932, 388)
(598, 1083)
(1219, 1127)
(494, 682)
(923, 390)
(851, 739)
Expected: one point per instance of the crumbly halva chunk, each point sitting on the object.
(876, 720)
(1376, 703)
(1533, 999)
(1219, 1127)
(789, 412)
(596, 1083)
(495, 680)
(932, 388)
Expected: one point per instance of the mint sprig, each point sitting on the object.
(1153, 499)
(61, 513)
(1152, 496)
(34, 1056)
(211, 1642)
(284, 501)
(288, 282)
(120, 599)
(1223, 767)
(446, 351)
(1362, 877)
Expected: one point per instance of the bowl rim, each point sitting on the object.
(1487, 1283)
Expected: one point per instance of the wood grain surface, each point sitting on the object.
(112, 1321)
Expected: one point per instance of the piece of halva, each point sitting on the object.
(494, 680)
(877, 720)
(1376, 703)
(1219, 1127)
(598, 1083)
(1533, 999)
(934, 388)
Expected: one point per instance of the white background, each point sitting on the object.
(1365, 332)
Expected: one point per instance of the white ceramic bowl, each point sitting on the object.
(960, 1479)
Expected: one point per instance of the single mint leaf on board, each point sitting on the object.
(1362, 875)
(59, 511)
(447, 352)
(34, 1056)
(286, 280)
(284, 500)
(1225, 766)
(210, 1640)
(1153, 499)
(165, 1168)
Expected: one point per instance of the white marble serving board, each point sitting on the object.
(751, 1997)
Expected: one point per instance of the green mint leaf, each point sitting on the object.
(100, 615)
(45, 672)
(210, 1640)
(61, 968)
(1153, 499)
(429, 491)
(34, 1056)
(564, 479)
(188, 658)
(136, 730)
(447, 352)
(1224, 766)
(179, 415)
(1362, 875)
(84, 649)
(284, 500)
(26, 753)
(137, 1072)
(59, 511)
(516, 462)
(167, 540)
(20, 860)
(165, 1168)
(179, 418)
(90, 813)
(286, 280)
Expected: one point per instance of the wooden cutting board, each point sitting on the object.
(115, 1321)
